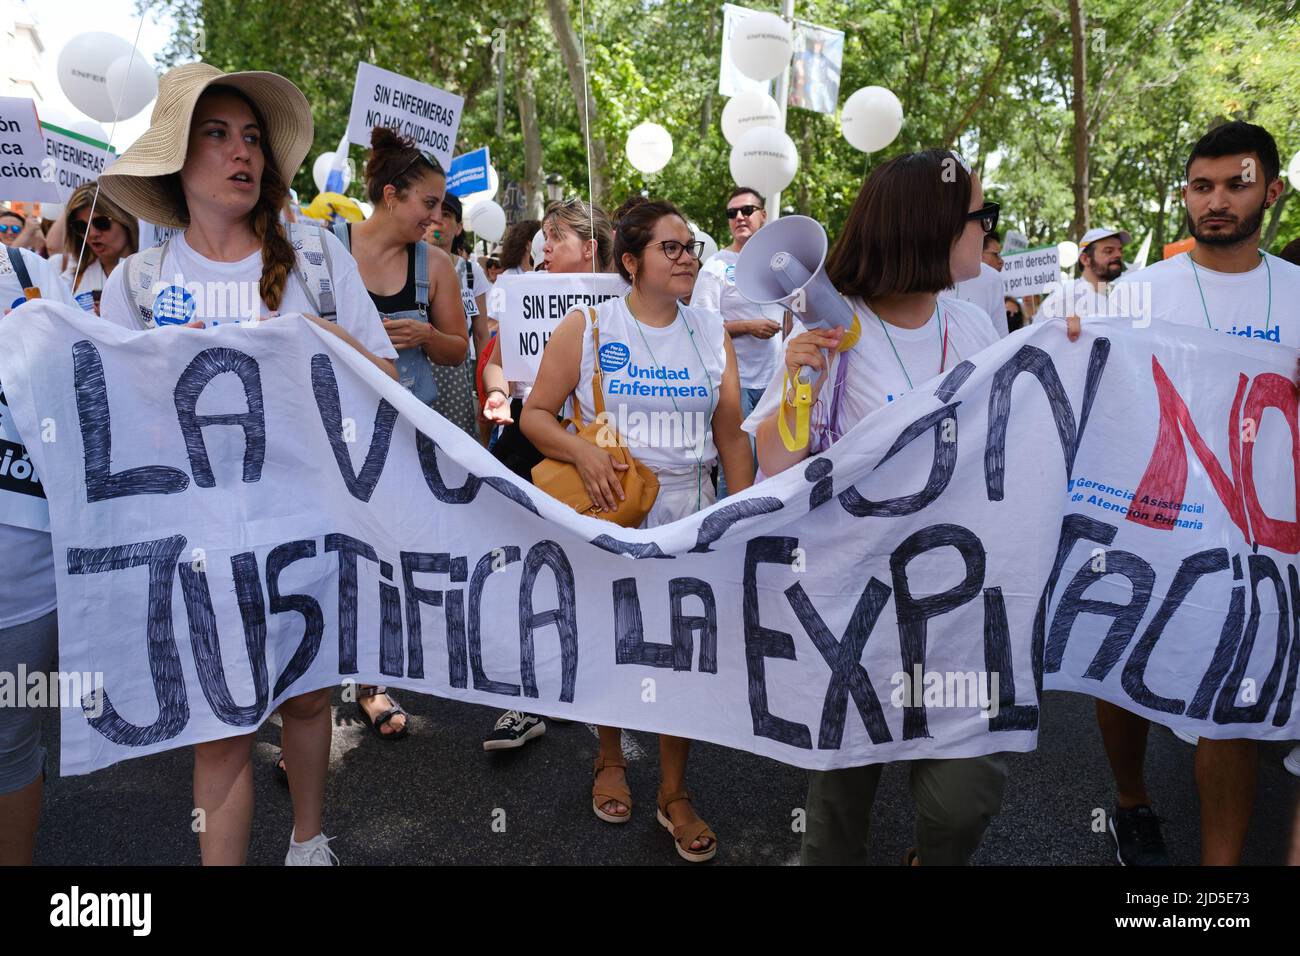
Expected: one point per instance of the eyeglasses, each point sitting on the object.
(986, 216)
(746, 211)
(674, 249)
(102, 223)
(8, 228)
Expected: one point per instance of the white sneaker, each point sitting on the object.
(1292, 761)
(1186, 736)
(315, 852)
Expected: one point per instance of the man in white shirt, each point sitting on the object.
(1228, 283)
(985, 291)
(1101, 257)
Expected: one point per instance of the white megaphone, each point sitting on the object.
(782, 263)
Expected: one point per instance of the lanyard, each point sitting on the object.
(943, 343)
(1268, 270)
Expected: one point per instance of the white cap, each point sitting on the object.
(1092, 235)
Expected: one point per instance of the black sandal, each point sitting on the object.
(385, 717)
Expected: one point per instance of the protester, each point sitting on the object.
(211, 166)
(19, 230)
(1229, 284)
(578, 239)
(406, 187)
(491, 265)
(28, 616)
(1101, 261)
(992, 254)
(94, 244)
(516, 247)
(655, 250)
(1015, 314)
(892, 276)
(755, 330)
(985, 292)
(456, 398)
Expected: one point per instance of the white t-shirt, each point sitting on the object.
(27, 565)
(875, 376)
(715, 291)
(660, 385)
(228, 292)
(469, 297)
(985, 291)
(1076, 297)
(1236, 303)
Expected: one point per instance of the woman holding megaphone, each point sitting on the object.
(916, 228)
(618, 356)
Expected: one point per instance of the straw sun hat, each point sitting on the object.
(135, 180)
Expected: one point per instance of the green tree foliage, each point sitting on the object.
(991, 78)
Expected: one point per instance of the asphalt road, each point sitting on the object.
(434, 798)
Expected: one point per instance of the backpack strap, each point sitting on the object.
(469, 275)
(343, 234)
(422, 275)
(20, 268)
(141, 274)
(314, 269)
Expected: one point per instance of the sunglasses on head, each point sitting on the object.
(102, 223)
(986, 216)
(421, 156)
(746, 211)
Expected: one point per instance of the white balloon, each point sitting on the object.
(487, 220)
(1069, 253)
(871, 118)
(83, 72)
(764, 159)
(131, 84)
(649, 147)
(1293, 171)
(538, 252)
(320, 171)
(710, 247)
(760, 46)
(748, 110)
(93, 130)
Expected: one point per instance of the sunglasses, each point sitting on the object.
(674, 249)
(102, 223)
(421, 156)
(986, 216)
(746, 211)
(8, 228)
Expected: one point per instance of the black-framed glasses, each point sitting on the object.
(986, 216)
(102, 223)
(674, 249)
(746, 211)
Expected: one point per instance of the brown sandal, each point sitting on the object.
(687, 833)
(602, 794)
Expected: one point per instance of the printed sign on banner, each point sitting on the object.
(152, 234)
(426, 114)
(77, 159)
(530, 306)
(907, 594)
(26, 173)
(1030, 272)
(469, 173)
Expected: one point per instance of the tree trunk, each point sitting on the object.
(527, 100)
(570, 52)
(706, 114)
(1080, 120)
(1275, 220)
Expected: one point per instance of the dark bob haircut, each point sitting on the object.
(900, 231)
(635, 229)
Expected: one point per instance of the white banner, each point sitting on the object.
(426, 114)
(243, 514)
(529, 306)
(77, 159)
(24, 174)
(1030, 272)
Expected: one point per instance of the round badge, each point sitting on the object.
(174, 305)
(613, 356)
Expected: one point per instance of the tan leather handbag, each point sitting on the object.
(560, 479)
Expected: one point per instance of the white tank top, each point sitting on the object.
(661, 386)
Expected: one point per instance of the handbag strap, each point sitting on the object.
(597, 380)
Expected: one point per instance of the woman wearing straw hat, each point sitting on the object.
(215, 163)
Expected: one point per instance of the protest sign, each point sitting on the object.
(22, 496)
(1088, 516)
(152, 234)
(25, 173)
(1030, 272)
(426, 114)
(530, 306)
(469, 173)
(78, 159)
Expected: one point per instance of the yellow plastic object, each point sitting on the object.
(802, 413)
(331, 207)
(851, 336)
